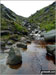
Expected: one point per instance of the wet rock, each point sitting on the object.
(14, 57)
(21, 45)
(51, 49)
(28, 41)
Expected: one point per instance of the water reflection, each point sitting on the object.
(15, 66)
(48, 57)
(24, 49)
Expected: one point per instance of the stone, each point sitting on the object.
(28, 41)
(51, 49)
(21, 45)
(14, 56)
(50, 36)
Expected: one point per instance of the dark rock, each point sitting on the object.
(28, 41)
(5, 32)
(22, 45)
(36, 32)
(15, 39)
(25, 33)
(14, 57)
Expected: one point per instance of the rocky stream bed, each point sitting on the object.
(34, 60)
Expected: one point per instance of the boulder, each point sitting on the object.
(21, 45)
(14, 57)
(28, 41)
(50, 36)
(51, 49)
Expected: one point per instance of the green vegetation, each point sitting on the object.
(45, 17)
(11, 21)
(20, 27)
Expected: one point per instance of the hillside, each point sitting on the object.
(10, 21)
(45, 18)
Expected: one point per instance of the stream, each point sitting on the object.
(34, 60)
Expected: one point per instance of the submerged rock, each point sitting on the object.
(21, 45)
(14, 57)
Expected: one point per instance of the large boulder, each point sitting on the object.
(21, 45)
(51, 49)
(50, 36)
(14, 57)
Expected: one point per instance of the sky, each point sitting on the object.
(26, 8)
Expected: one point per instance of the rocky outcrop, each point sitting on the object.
(14, 57)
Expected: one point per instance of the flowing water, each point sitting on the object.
(34, 60)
